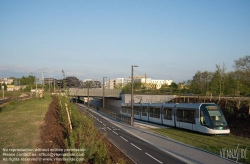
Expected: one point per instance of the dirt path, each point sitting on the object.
(52, 133)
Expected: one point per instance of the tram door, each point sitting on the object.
(179, 122)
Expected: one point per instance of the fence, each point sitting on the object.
(112, 113)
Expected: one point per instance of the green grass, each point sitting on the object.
(84, 135)
(20, 123)
(207, 142)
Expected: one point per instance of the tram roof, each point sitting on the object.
(190, 105)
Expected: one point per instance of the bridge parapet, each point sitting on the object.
(95, 92)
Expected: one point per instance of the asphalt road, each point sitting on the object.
(139, 151)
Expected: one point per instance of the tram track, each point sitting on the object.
(3, 101)
(8, 99)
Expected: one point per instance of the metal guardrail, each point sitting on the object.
(115, 115)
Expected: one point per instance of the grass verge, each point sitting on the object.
(83, 135)
(209, 143)
(20, 123)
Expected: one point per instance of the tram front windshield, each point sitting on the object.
(212, 117)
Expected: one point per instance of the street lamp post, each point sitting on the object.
(76, 95)
(132, 94)
(3, 90)
(36, 83)
(31, 86)
(103, 93)
(49, 85)
(88, 84)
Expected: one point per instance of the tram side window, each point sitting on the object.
(179, 115)
(154, 112)
(144, 111)
(191, 116)
(137, 110)
(167, 114)
(204, 119)
(187, 116)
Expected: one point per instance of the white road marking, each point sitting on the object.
(115, 132)
(153, 157)
(135, 146)
(124, 139)
(103, 124)
(104, 128)
(108, 128)
(116, 129)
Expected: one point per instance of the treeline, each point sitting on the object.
(219, 82)
(29, 81)
(222, 83)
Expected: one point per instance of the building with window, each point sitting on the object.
(91, 83)
(156, 83)
(7, 81)
(151, 83)
(117, 83)
(15, 87)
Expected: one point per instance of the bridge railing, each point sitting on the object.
(112, 113)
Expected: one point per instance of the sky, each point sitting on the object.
(92, 39)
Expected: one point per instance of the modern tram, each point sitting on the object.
(201, 117)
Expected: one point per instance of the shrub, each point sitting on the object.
(84, 135)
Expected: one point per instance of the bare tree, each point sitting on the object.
(242, 67)
(222, 73)
(242, 64)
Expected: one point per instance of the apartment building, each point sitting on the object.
(121, 82)
(7, 81)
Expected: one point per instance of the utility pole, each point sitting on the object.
(109, 83)
(103, 93)
(36, 88)
(64, 85)
(3, 90)
(43, 77)
(88, 94)
(132, 95)
(31, 85)
(36, 82)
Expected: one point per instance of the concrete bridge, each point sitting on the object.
(114, 97)
(95, 92)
